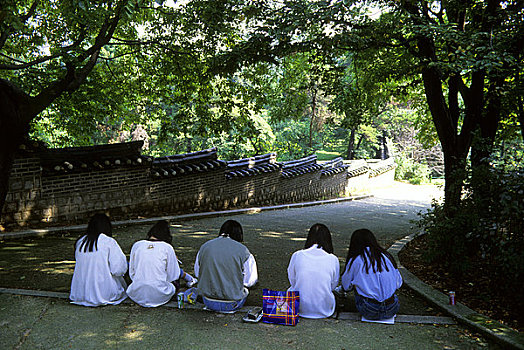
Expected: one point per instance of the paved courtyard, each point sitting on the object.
(51, 323)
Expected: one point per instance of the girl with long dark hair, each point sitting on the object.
(100, 266)
(373, 273)
(314, 272)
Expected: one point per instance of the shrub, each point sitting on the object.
(411, 171)
(488, 225)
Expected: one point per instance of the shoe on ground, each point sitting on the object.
(191, 283)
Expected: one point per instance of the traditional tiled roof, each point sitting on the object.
(187, 163)
(382, 167)
(245, 167)
(56, 161)
(98, 157)
(334, 166)
(358, 170)
(299, 167)
(28, 147)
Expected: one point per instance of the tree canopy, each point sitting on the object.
(196, 71)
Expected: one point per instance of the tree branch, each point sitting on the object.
(147, 43)
(3, 37)
(107, 59)
(23, 65)
(474, 103)
(454, 108)
(74, 75)
(31, 11)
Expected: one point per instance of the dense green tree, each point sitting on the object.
(48, 48)
(467, 56)
(466, 51)
(297, 93)
(190, 68)
(361, 94)
(80, 66)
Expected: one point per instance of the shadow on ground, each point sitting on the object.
(47, 263)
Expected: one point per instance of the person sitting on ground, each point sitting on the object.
(100, 266)
(314, 272)
(225, 269)
(373, 273)
(154, 268)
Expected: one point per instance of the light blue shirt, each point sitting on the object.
(375, 285)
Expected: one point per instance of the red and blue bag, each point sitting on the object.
(280, 307)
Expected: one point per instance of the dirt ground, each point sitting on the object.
(473, 289)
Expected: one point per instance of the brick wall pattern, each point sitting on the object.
(61, 191)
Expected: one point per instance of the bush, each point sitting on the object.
(488, 225)
(411, 171)
(447, 245)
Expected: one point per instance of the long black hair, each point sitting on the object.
(233, 230)
(161, 232)
(375, 256)
(319, 234)
(99, 223)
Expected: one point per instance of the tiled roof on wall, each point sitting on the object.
(382, 167)
(187, 163)
(334, 166)
(300, 166)
(98, 157)
(244, 167)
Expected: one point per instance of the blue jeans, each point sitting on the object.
(376, 311)
(223, 305)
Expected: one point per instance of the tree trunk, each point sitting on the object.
(189, 144)
(351, 145)
(14, 125)
(454, 175)
(488, 124)
(520, 116)
(384, 152)
(6, 162)
(455, 144)
(359, 142)
(313, 116)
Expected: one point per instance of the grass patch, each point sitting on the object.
(327, 155)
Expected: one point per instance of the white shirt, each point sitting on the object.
(98, 277)
(375, 285)
(250, 270)
(314, 273)
(153, 267)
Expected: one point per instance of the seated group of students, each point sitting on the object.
(226, 269)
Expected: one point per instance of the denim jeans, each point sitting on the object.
(376, 311)
(223, 305)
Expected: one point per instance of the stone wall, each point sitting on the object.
(25, 185)
(69, 185)
(186, 193)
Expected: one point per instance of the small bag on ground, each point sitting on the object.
(280, 307)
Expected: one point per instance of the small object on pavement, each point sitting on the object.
(253, 315)
(180, 300)
(451, 298)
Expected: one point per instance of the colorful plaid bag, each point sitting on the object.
(280, 307)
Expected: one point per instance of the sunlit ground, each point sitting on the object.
(47, 263)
